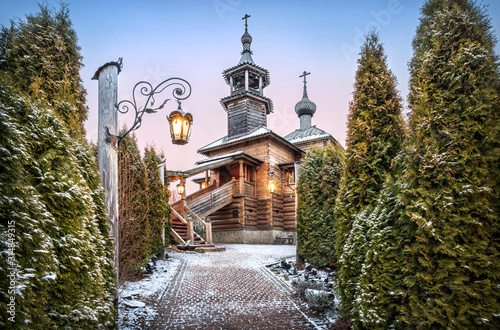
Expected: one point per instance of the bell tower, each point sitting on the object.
(247, 107)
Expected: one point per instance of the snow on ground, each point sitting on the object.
(132, 309)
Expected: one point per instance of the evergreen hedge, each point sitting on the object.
(450, 184)
(317, 186)
(59, 270)
(375, 136)
(143, 206)
(53, 218)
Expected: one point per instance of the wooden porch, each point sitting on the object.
(235, 197)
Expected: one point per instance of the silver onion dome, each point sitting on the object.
(246, 38)
(305, 106)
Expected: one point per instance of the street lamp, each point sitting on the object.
(285, 174)
(179, 121)
(181, 188)
(271, 186)
(108, 140)
(180, 125)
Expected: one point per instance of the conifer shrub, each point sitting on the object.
(158, 196)
(319, 178)
(42, 56)
(144, 208)
(52, 200)
(451, 171)
(379, 288)
(375, 136)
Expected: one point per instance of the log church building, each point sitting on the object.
(234, 203)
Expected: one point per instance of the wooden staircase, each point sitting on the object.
(181, 229)
(197, 206)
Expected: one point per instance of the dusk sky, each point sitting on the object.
(197, 40)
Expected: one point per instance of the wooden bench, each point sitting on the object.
(283, 240)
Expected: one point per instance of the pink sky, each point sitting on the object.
(197, 40)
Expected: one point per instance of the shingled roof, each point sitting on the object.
(309, 134)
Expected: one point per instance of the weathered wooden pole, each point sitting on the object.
(298, 258)
(162, 178)
(208, 230)
(107, 76)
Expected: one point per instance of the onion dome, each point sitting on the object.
(305, 106)
(246, 40)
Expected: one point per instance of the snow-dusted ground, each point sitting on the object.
(138, 307)
(132, 293)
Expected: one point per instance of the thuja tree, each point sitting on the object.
(451, 176)
(133, 209)
(158, 196)
(58, 270)
(379, 288)
(51, 203)
(375, 135)
(144, 207)
(319, 179)
(43, 58)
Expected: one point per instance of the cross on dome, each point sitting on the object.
(304, 75)
(245, 18)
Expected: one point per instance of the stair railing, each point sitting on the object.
(189, 224)
(207, 223)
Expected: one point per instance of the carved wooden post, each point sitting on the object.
(183, 214)
(208, 230)
(242, 178)
(107, 76)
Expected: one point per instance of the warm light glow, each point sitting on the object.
(271, 186)
(177, 128)
(180, 189)
(185, 129)
(180, 126)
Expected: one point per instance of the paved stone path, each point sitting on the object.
(231, 290)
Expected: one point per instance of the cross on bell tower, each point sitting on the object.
(246, 106)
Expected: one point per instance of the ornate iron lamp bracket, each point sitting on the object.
(181, 90)
(283, 173)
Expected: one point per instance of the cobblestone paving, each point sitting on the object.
(231, 290)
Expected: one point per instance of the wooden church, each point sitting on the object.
(235, 203)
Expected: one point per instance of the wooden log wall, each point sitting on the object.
(244, 115)
(263, 214)
(277, 211)
(250, 213)
(228, 217)
(289, 212)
